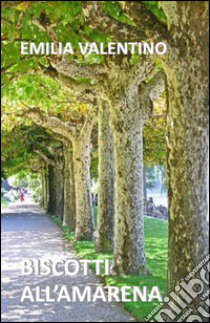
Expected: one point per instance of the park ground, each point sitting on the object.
(27, 232)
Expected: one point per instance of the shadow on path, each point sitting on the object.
(27, 233)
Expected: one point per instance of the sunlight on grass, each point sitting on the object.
(156, 236)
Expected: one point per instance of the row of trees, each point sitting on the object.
(119, 92)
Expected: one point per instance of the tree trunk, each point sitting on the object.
(52, 191)
(45, 187)
(188, 145)
(105, 230)
(84, 211)
(69, 218)
(59, 187)
(129, 253)
(188, 138)
(56, 189)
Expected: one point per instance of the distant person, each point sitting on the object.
(22, 196)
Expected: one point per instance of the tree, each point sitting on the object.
(186, 66)
(106, 209)
(80, 138)
(24, 150)
(72, 121)
(131, 107)
(186, 31)
(188, 136)
(69, 189)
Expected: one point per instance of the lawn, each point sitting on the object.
(156, 232)
(4, 202)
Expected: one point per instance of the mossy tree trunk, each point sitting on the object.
(84, 210)
(59, 186)
(52, 190)
(45, 187)
(105, 229)
(188, 137)
(128, 117)
(69, 218)
(80, 136)
(56, 188)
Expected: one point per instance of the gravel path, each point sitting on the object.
(27, 233)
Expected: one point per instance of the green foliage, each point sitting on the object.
(114, 9)
(34, 90)
(156, 8)
(16, 155)
(18, 148)
(155, 135)
(94, 165)
(4, 202)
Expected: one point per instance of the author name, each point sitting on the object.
(86, 49)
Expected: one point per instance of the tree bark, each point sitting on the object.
(188, 137)
(125, 89)
(69, 218)
(128, 122)
(84, 211)
(105, 230)
(45, 187)
(52, 191)
(59, 186)
(56, 189)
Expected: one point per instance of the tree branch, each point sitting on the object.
(140, 71)
(72, 85)
(48, 29)
(6, 68)
(157, 85)
(89, 122)
(35, 169)
(149, 92)
(51, 123)
(17, 40)
(98, 19)
(76, 70)
(146, 21)
(47, 160)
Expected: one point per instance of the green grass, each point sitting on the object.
(156, 235)
(4, 201)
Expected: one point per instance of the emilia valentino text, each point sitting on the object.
(86, 49)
